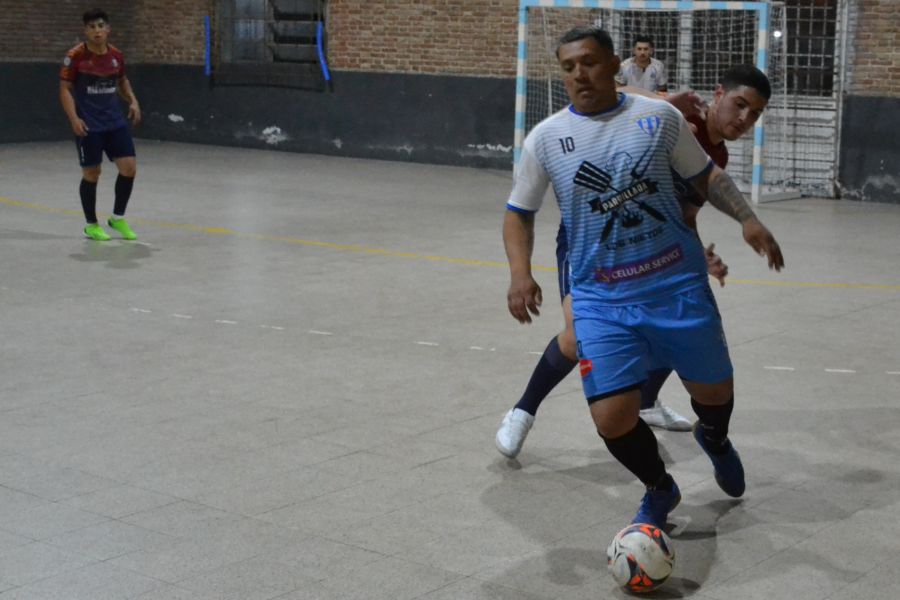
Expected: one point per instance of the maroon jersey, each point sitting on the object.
(95, 77)
(717, 152)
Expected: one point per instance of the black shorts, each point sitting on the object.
(117, 143)
(562, 262)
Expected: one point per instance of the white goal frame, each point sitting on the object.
(762, 48)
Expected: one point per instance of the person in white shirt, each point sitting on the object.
(642, 70)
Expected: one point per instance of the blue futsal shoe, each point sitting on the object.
(728, 467)
(656, 506)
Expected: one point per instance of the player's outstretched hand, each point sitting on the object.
(134, 113)
(524, 299)
(715, 266)
(79, 127)
(688, 103)
(761, 240)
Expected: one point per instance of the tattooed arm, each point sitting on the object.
(720, 191)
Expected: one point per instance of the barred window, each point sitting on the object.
(269, 42)
(811, 43)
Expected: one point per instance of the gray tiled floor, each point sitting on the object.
(289, 387)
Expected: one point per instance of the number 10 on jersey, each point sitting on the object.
(568, 144)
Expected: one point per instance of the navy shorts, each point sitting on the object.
(117, 143)
(617, 345)
(562, 262)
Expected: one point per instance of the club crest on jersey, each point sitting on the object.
(67, 61)
(115, 63)
(649, 125)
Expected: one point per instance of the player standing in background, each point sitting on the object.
(739, 100)
(92, 74)
(642, 70)
(640, 293)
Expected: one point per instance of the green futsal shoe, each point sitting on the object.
(121, 225)
(95, 232)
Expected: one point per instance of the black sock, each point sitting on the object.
(638, 451)
(88, 192)
(123, 193)
(651, 387)
(550, 370)
(714, 421)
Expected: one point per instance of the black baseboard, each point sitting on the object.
(870, 149)
(29, 103)
(465, 121)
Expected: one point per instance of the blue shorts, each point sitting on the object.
(617, 345)
(562, 262)
(117, 143)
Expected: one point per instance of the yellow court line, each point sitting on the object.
(812, 284)
(414, 255)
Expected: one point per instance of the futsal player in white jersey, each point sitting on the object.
(640, 292)
(740, 98)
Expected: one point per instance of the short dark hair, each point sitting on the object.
(95, 14)
(582, 32)
(643, 38)
(749, 76)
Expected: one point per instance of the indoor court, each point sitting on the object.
(288, 387)
(303, 380)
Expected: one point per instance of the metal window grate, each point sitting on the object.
(270, 42)
(812, 39)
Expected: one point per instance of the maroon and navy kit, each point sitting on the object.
(95, 78)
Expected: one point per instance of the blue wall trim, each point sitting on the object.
(207, 34)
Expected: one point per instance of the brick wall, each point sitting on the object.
(170, 32)
(465, 37)
(148, 31)
(874, 60)
(458, 37)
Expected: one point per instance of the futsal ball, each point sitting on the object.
(640, 557)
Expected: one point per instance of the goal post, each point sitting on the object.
(697, 39)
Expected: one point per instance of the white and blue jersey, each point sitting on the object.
(611, 173)
(640, 293)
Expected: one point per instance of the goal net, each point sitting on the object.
(697, 40)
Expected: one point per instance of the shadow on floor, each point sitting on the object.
(116, 254)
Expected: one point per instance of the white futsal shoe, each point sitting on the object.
(513, 431)
(664, 417)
